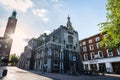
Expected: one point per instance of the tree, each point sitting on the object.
(14, 59)
(112, 25)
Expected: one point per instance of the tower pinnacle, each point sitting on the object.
(69, 24)
(14, 14)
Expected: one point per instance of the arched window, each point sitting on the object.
(92, 55)
(70, 39)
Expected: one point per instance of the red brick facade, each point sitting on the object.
(95, 56)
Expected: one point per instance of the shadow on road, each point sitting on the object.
(58, 76)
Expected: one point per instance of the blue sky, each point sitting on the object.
(38, 16)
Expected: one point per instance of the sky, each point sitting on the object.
(35, 17)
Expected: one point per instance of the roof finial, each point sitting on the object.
(14, 14)
(69, 24)
(68, 17)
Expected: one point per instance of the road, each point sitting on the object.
(15, 73)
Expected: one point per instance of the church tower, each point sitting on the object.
(6, 40)
(11, 25)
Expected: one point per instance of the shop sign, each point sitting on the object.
(93, 61)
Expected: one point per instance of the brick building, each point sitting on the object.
(99, 58)
(6, 40)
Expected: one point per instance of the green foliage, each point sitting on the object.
(112, 25)
(13, 59)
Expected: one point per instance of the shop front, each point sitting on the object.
(102, 67)
(116, 67)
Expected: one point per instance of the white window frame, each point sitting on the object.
(105, 35)
(92, 47)
(56, 53)
(97, 38)
(84, 48)
(1, 40)
(4, 53)
(85, 56)
(90, 41)
(80, 44)
(99, 54)
(91, 55)
(109, 54)
(98, 45)
(6, 46)
(118, 50)
(83, 43)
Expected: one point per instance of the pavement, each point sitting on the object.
(15, 73)
(59, 76)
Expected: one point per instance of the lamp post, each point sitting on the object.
(43, 55)
(61, 61)
(74, 64)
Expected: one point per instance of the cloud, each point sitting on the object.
(22, 5)
(45, 19)
(2, 30)
(26, 39)
(46, 31)
(41, 13)
(2, 27)
(56, 0)
(20, 39)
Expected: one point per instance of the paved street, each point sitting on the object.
(19, 74)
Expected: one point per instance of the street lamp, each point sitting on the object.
(43, 55)
(74, 63)
(61, 61)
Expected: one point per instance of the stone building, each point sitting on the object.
(99, 58)
(26, 60)
(59, 51)
(6, 40)
(22, 61)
